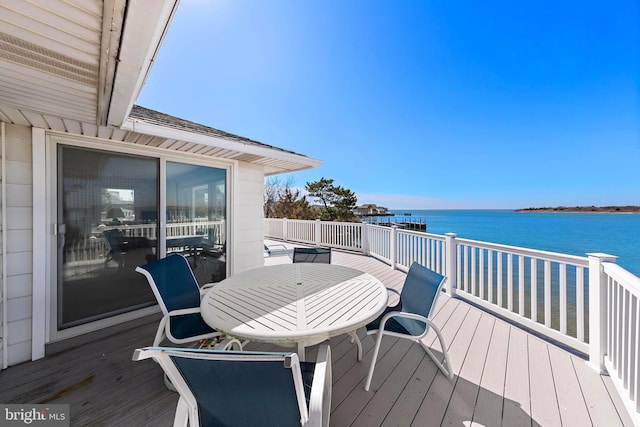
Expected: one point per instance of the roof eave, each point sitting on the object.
(144, 27)
(278, 158)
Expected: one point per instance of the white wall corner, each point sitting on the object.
(39, 312)
(247, 217)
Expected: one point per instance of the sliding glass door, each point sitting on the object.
(108, 223)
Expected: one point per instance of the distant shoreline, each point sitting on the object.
(585, 209)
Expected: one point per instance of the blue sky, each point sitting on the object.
(421, 104)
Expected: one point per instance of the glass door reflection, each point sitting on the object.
(196, 218)
(106, 226)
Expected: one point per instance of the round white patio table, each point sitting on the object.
(302, 303)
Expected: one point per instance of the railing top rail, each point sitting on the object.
(621, 275)
(379, 227)
(198, 222)
(358, 224)
(537, 253)
(422, 234)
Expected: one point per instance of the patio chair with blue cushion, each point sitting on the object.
(320, 255)
(178, 295)
(229, 388)
(411, 317)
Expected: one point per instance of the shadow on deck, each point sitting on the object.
(503, 376)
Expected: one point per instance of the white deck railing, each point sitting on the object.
(588, 303)
(544, 291)
(615, 344)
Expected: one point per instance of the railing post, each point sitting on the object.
(364, 236)
(284, 229)
(451, 266)
(393, 240)
(318, 233)
(598, 306)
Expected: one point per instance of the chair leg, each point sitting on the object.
(354, 338)
(376, 349)
(229, 344)
(182, 414)
(445, 364)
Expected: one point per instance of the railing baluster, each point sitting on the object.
(615, 304)
(610, 319)
(547, 294)
(473, 270)
(627, 339)
(481, 272)
(580, 303)
(520, 285)
(534, 289)
(500, 289)
(623, 334)
(459, 275)
(466, 268)
(635, 375)
(563, 298)
(490, 254)
(510, 281)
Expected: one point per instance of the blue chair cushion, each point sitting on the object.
(318, 255)
(175, 282)
(189, 325)
(420, 290)
(237, 393)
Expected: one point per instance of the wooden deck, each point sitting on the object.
(503, 376)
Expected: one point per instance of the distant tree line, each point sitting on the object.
(609, 209)
(331, 202)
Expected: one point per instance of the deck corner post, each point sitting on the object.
(284, 229)
(451, 263)
(598, 307)
(364, 233)
(318, 232)
(393, 244)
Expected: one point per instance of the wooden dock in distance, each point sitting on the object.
(403, 222)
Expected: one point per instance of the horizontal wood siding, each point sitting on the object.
(18, 232)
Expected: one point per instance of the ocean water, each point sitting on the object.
(569, 233)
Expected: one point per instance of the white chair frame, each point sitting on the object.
(315, 415)
(444, 365)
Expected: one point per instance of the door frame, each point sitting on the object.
(45, 328)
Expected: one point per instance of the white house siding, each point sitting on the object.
(247, 218)
(18, 233)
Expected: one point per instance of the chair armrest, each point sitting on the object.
(406, 315)
(184, 311)
(320, 399)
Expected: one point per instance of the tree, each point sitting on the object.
(281, 200)
(291, 204)
(271, 189)
(337, 202)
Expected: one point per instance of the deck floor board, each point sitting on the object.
(503, 376)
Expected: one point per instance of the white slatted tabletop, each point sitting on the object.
(301, 303)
